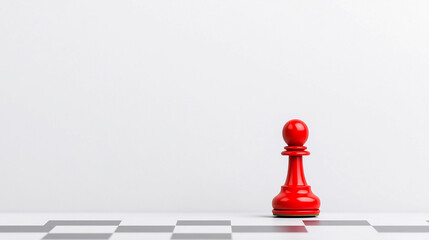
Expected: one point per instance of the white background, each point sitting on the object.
(179, 105)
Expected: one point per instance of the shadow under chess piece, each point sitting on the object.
(296, 198)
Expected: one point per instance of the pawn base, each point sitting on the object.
(296, 213)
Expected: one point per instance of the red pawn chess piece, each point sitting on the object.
(295, 198)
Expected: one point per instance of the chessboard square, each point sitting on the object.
(271, 229)
(202, 229)
(402, 229)
(265, 220)
(83, 223)
(23, 229)
(397, 219)
(336, 223)
(201, 236)
(83, 229)
(342, 232)
(22, 236)
(150, 219)
(402, 236)
(140, 236)
(203, 223)
(148, 229)
(77, 236)
(268, 236)
(22, 219)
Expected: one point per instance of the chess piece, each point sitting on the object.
(295, 198)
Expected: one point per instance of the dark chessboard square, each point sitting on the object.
(78, 236)
(410, 229)
(23, 229)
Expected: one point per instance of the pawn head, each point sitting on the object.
(295, 133)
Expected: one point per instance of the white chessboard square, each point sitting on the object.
(202, 229)
(402, 236)
(267, 221)
(341, 232)
(22, 236)
(270, 236)
(398, 219)
(83, 229)
(141, 236)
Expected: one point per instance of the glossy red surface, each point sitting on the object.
(295, 197)
(295, 132)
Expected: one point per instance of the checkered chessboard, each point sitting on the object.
(212, 226)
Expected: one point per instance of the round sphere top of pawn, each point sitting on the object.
(295, 132)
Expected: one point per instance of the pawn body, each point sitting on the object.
(295, 198)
